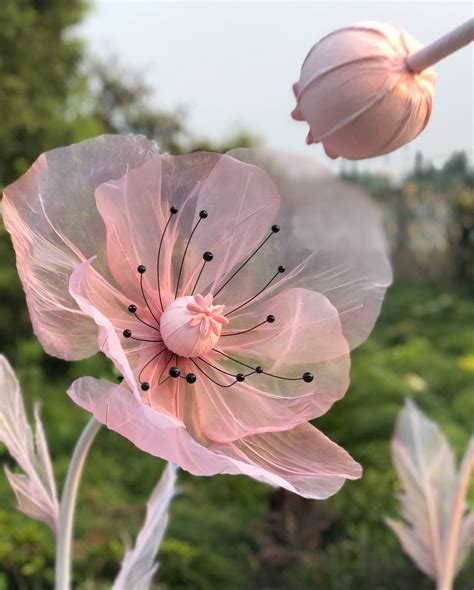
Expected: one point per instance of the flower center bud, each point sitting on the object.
(191, 325)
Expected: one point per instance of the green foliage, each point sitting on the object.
(39, 70)
(226, 533)
(232, 533)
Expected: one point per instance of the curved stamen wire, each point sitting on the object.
(148, 363)
(128, 334)
(216, 368)
(202, 215)
(207, 257)
(173, 211)
(141, 269)
(160, 382)
(268, 320)
(210, 378)
(133, 310)
(307, 377)
(281, 269)
(275, 230)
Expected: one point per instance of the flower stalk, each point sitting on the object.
(442, 47)
(68, 504)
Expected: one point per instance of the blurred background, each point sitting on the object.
(215, 76)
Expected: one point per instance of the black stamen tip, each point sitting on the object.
(275, 228)
(259, 370)
(173, 210)
(127, 333)
(120, 379)
(141, 269)
(145, 386)
(191, 378)
(174, 372)
(240, 377)
(281, 269)
(308, 377)
(270, 319)
(203, 214)
(132, 308)
(208, 256)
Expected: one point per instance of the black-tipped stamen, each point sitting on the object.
(210, 378)
(202, 215)
(173, 211)
(133, 310)
(245, 331)
(145, 386)
(160, 382)
(280, 270)
(207, 257)
(148, 363)
(142, 289)
(191, 378)
(275, 229)
(174, 372)
(307, 377)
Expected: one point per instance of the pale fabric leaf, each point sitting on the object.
(139, 566)
(35, 489)
(466, 526)
(433, 497)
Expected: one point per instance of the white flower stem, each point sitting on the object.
(68, 504)
(441, 48)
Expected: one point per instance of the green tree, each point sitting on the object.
(39, 71)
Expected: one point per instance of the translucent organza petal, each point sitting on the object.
(306, 336)
(239, 202)
(89, 289)
(302, 460)
(51, 215)
(149, 430)
(331, 241)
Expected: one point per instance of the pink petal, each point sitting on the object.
(305, 337)
(302, 460)
(148, 429)
(241, 202)
(214, 327)
(86, 285)
(51, 215)
(202, 302)
(227, 414)
(331, 241)
(297, 115)
(220, 319)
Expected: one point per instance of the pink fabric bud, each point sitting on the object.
(191, 326)
(358, 95)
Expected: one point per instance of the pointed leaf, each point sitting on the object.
(35, 489)
(434, 534)
(139, 566)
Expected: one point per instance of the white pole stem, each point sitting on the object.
(441, 48)
(68, 504)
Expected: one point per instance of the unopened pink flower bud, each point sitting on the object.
(358, 94)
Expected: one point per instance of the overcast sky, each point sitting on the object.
(231, 64)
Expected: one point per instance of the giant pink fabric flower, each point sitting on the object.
(230, 325)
